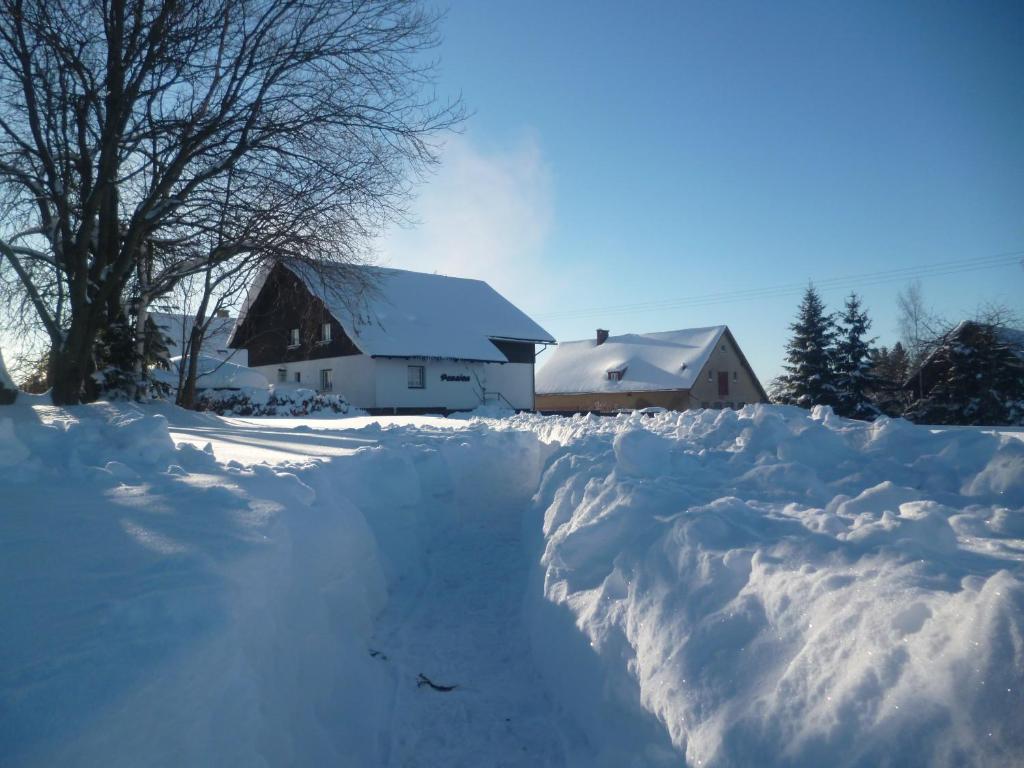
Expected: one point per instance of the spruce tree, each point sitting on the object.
(890, 369)
(809, 379)
(852, 363)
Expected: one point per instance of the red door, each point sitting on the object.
(723, 383)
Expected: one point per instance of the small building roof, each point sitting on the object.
(648, 361)
(398, 313)
(1012, 337)
(177, 327)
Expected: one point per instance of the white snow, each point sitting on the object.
(647, 361)
(757, 587)
(416, 314)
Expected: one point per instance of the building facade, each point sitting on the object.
(390, 340)
(677, 370)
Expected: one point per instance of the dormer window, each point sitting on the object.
(616, 375)
(293, 338)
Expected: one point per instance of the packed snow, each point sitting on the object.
(770, 586)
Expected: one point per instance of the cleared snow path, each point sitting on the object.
(463, 627)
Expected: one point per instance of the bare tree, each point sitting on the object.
(919, 327)
(122, 122)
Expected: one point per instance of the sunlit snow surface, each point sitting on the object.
(763, 587)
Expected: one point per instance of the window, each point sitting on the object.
(417, 377)
(735, 376)
(710, 377)
(327, 380)
(705, 404)
(282, 375)
(298, 377)
(293, 337)
(325, 333)
(718, 404)
(723, 347)
(616, 375)
(740, 405)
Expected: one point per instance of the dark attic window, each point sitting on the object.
(616, 375)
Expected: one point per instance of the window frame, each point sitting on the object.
(326, 379)
(421, 377)
(325, 333)
(294, 338)
(282, 375)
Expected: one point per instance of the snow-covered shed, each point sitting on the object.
(690, 368)
(390, 340)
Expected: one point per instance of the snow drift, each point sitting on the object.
(769, 586)
(785, 588)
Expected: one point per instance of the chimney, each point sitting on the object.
(602, 336)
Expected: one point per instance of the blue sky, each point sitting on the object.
(624, 154)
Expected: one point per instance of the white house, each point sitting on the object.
(390, 340)
(677, 370)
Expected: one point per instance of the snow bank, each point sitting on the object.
(781, 588)
(160, 608)
(761, 587)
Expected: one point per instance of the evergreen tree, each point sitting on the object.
(975, 376)
(890, 369)
(852, 363)
(809, 379)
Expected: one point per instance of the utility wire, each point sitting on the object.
(936, 269)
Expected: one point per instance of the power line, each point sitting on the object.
(936, 269)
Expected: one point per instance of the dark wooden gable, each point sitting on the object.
(285, 303)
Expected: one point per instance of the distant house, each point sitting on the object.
(177, 328)
(972, 374)
(404, 342)
(692, 368)
(966, 335)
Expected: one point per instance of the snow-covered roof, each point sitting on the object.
(177, 328)
(648, 362)
(1013, 336)
(415, 314)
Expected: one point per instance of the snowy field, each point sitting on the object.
(766, 587)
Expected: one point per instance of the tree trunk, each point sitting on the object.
(71, 361)
(187, 395)
(69, 368)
